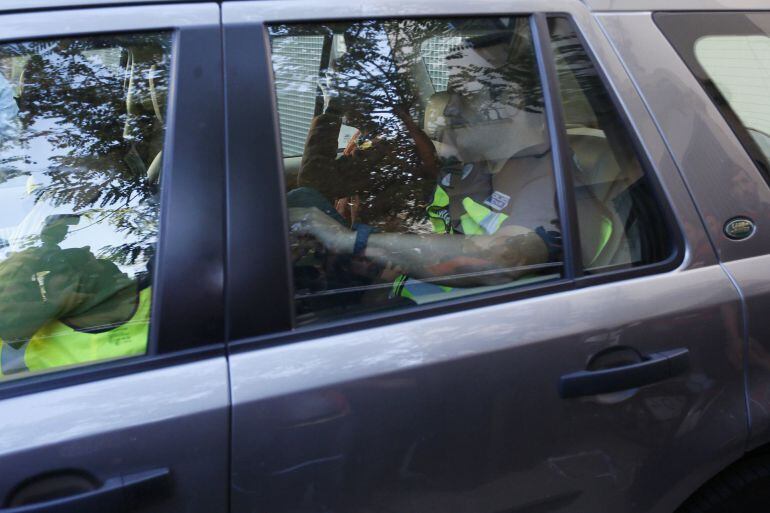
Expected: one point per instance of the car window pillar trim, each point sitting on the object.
(560, 151)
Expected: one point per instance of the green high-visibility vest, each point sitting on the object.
(58, 345)
(477, 220)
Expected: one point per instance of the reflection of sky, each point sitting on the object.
(21, 219)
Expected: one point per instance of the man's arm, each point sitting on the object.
(452, 260)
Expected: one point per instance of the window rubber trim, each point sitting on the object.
(57, 378)
(259, 276)
(560, 150)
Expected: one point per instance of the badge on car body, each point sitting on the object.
(739, 228)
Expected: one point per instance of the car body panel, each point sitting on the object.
(461, 411)
(720, 175)
(114, 19)
(173, 418)
(159, 411)
(679, 5)
(723, 179)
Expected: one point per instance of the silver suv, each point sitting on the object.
(310, 256)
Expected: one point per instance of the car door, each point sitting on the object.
(596, 379)
(725, 159)
(112, 188)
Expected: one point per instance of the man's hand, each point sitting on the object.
(311, 221)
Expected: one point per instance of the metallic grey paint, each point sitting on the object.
(596, 5)
(751, 275)
(722, 179)
(461, 412)
(113, 19)
(720, 175)
(175, 418)
(28, 5)
(678, 5)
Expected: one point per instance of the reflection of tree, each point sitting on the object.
(382, 80)
(73, 103)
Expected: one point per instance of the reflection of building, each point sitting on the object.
(434, 52)
(296, 61)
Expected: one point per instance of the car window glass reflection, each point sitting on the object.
(81, 135)
(620, 222)
(444, 188)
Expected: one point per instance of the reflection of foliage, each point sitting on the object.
(382, 85)
(583, 95)
(506, 70)
(74, 101)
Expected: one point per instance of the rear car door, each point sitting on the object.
(711, 78)
(113, 378)
(380, 358)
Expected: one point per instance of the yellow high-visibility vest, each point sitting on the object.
(58, 345)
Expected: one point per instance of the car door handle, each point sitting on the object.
(655, 367)
(117, 494)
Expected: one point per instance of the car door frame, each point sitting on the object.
(260, 324)
(187, 315)
(253, 266)
(167, 410)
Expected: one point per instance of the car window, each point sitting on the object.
(447, 187)
(298, 60)
(739, 66)
(81, 137)
(620, 223)
(729, 54)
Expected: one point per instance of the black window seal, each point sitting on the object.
(188, 288)
(683, 39)
(259, 275)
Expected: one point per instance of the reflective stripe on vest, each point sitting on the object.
(412, 289)
(438, 211)
(58, 345)
(479, 220)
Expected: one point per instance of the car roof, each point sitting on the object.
(33, 5)
(676, 5)
(594, 5)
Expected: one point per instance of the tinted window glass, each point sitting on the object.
(81, 134)
(739, 66)
(729, 53)
(446, 186)
(620, 223)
